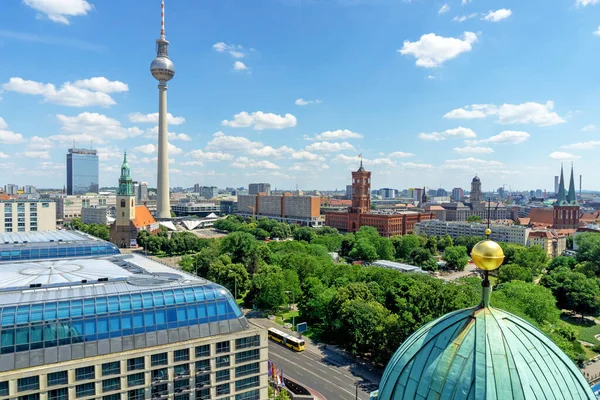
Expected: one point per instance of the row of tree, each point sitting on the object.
(98, 230)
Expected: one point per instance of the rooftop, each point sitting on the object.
(44, 237)
(397, 266)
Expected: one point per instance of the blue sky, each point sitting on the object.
(291, 91)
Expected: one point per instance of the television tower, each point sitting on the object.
(163, 70)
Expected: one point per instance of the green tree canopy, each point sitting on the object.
(514, 272)
(456, 257)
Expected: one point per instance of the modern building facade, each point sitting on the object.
(186, 207)
(348, 192)
(124, 327)
(82, 171)
(387, 193)
(11, 189)
(94, 215)
(303, 210)
(27, 215)
(140, 189)
(360, 213)
(69, 207)
(208, 192)
(457, 194)
(502, 233)
(256, 188)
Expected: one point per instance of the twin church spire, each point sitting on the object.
(571, 198)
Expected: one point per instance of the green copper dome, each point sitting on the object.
(481, 353)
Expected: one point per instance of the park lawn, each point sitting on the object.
(584, 330)
(286, 317)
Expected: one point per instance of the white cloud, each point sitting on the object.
(3, 155)
(268, 151)
(98, 127)
(60, 10)
(210, 156)
(498, 15)
(39, 143)
(589, 128)
(101, 84)
(192, 163)
(460, 132)
(153, 118)
(174, 150)
(35, 154)
(354, 160)
(463, 18)
(583, 3)
(111, 153)
(413, 165)
(239, 66)
(145, 148)
(309, 167)
(464, 2)
(68, 95)
(504, 137)
(304, 155)
(597, 31)
(338, 135)
(562, 156)
(223, 142)
(302, 102)
(152, 133)
(400, 154)
(245, 162)
(330, 146)
(474, 150)
(582, 145)
(236, 51)
(432, 50)
(8, 137)
(471, 163)
(260, 120)
(444, 9)
(525, 113)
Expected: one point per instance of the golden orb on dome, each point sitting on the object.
(488, 232)
(487, 255)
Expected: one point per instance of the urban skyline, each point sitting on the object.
(515, 134)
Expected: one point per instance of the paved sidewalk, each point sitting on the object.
(329, 353)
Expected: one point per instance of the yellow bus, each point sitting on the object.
(287, 340)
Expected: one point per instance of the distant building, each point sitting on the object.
(303, 210)
(387, 193)
(476, 194)
(549, 240)
(501, 233)
(457, 194)
(208, 192)
(556, 184)
(228, 207)
(140, 189)
(360, 213)
(69, 207)
(441, 193)
(566, 208)
(82, 171)
(256, 188)
(130, 219)
(186, 207)
(348, 192)
(28, 189)
(94, 215)
(27, 215)
(11, 189)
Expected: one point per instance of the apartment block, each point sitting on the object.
(501, 233)
(27, 215)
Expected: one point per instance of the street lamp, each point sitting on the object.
(293, 302)
(235, 277)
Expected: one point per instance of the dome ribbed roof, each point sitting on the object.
(481, 353)
(476, 179)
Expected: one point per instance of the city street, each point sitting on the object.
(332, 381)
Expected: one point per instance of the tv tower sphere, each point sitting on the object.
(162, 68)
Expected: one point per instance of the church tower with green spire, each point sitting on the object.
(566, 208)
(125, 196)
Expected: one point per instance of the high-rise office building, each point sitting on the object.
(82, 171)
(349, 192)
(256, 188)
(11, 189)
(140, 189)
(208, 192)
(387, 193)
(556, 184)
(457, 194)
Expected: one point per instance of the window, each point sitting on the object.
(111, 368)
(247, 356)
(181, 370)
(30, 383)
(35, 396)
(203, 394)
(116, 396)
(111, 384)
(59, 394)
(251, 395)
(87, 389)
(135, 379)
(223, 347)
(58, 378)
(3, 388)
(160, 374)
(223, 389)
(136, 394)
(84, 373)
(203, 351)
(160, 390)
(181, 385)
(247, 369)
(222, 361)
(181, 355)
(246, 383)
(182, 396)
(244, 343)
(122, 202)
(202, 365)
(134, 364)
(159, 359)
(223, 375)
(202, 380)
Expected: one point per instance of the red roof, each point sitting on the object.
(142, 217)
(523, 221)
(541, 216)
